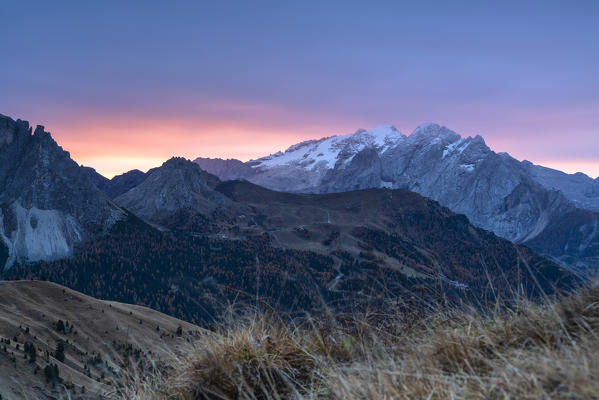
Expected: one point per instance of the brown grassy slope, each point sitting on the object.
(546, 351)
(123, 335)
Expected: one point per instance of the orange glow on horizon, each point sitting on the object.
(118, 145)
(114, 148)
(588, 167)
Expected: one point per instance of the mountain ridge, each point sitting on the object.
(50, 204)
(495, 191)
(119, 184)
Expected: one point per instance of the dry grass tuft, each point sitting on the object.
(526, 352)
(248, 358)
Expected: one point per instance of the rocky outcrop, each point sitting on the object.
(178, 185)
(48, 204)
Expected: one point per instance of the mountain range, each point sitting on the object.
(205, 244)
(392, 228)
(553, 212)
(348, 229)
(184, 241)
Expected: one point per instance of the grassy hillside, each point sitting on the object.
(118, 351)
(102, 342)
(531, 351)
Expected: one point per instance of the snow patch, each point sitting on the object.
(449, 149)
(326, 152)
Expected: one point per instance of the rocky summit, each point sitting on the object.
(47, 202)
(177, 185)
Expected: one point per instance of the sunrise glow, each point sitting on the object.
(245, 80)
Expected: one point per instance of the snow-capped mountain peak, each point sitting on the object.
(325, 153)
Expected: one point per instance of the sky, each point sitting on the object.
(128, 84)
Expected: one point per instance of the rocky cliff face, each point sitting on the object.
(516, 200)
(176, 186)
(47, 202)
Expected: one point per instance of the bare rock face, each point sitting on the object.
(362, 171)
(176, 186)
(516, 200)
(47, 202)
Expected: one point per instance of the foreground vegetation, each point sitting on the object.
(525, 350)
